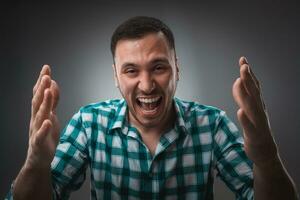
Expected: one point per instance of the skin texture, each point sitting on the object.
(147, 67)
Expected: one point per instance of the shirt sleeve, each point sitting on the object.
(9, 195)
(232, 163)
(69, 165)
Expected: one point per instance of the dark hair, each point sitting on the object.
(139, 26)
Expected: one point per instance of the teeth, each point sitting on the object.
(147, 100)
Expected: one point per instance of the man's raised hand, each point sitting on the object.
(44, 125)
(259, 143)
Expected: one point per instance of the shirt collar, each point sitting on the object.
(119, 119)
(180, 113)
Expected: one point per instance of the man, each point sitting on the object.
(150, 144)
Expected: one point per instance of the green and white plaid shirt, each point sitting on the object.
(202, 141)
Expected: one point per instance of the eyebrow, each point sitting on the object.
(156, 60)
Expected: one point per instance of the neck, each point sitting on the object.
(157, 129)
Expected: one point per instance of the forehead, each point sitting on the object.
(146, 48)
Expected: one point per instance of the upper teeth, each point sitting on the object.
(147, 100)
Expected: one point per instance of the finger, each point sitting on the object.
(255, 88)
(55, 127)
(246, 123)
(249, 82)
(39, 94)
(244, 100)
(46, 70)
(254, 78)
(55, 94)
(243, 60)
(44, 110)
(239, 92)
(43, 131)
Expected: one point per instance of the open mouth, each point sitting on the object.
(149, 104)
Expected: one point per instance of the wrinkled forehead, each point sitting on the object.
(146, 48)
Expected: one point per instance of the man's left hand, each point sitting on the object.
(259, 143)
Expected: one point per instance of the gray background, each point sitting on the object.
(73, 37)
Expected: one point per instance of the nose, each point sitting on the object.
(146, 83)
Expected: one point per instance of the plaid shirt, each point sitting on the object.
(203, 140)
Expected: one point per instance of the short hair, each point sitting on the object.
(138, 27)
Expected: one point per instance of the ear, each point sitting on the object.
(177, 69)
(115, 76)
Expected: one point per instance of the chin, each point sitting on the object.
(150, 123)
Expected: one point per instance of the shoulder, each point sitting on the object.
(207, 120)
(108, 105)
(108, 108)
(200, 116)
(197, 109)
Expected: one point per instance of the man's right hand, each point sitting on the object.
(44, 125)
(34, 179)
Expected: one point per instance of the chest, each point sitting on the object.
(129, 165)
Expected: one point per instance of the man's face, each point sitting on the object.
(146, 73)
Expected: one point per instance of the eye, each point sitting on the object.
(159, 68)
(130, 71)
